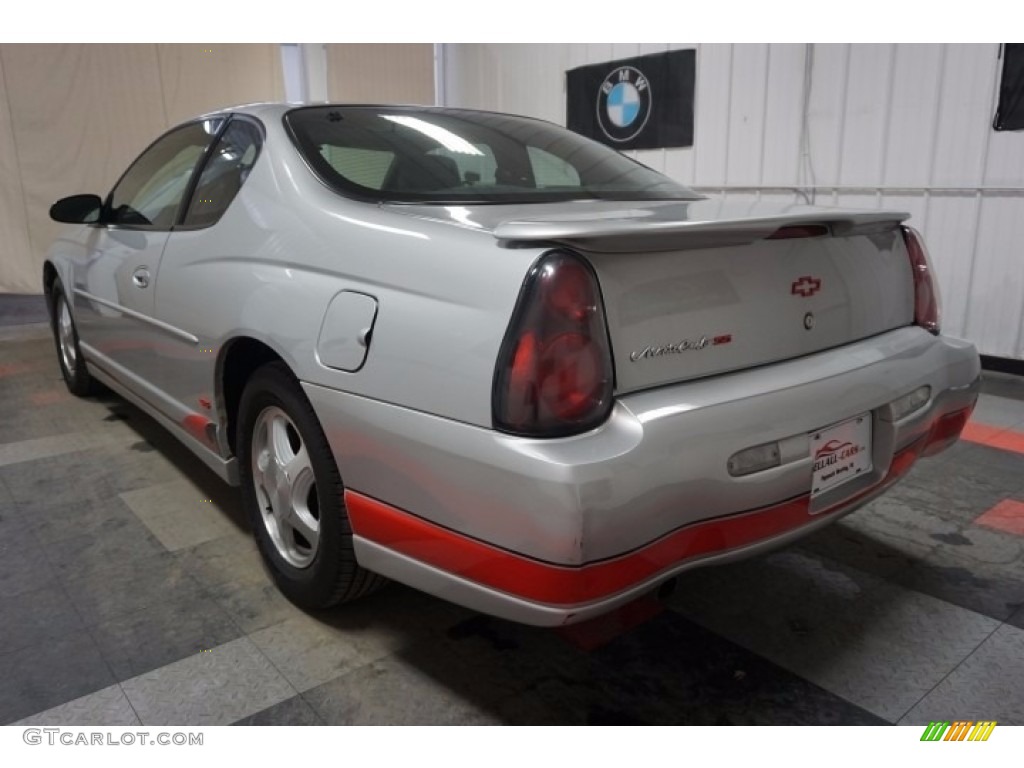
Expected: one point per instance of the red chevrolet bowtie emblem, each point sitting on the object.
(805, 286)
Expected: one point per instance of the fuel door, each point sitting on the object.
(347, 331)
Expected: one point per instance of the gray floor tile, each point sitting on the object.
(667, 670)
(6, 500)
(33, 618)
(23, 568)
(253, 606)
(1004, 385)
(960, 493)
(312, 649)
(217, 687)
(881, 538)
(773, 602)
(293, 711)
(105, 593)
(309, 653)
(34, 332)
(989, 685)
(1004, 467)
(178, 514)
(388, 692)
(163, 633)
(118, 539)
(100, 473)
(86, 516)
(40, 677)
(891, 652)
(41, 448)
(108, 706)
(230, 559)
(1017, 620)
(15, 532)
(998, 411)
(877, 645)
(978, 568)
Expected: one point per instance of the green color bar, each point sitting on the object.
(934, 731)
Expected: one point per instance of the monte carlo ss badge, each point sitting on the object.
(623, 103)
(678, 347)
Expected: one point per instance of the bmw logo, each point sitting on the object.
(623, 103)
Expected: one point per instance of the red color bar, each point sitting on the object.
(994, 437)
(1006, 516)
(570, 585)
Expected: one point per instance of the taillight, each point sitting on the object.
(554, 371)
(926, 287)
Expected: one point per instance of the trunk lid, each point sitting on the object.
(696, 288)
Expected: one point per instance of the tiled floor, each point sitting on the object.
(130, 592)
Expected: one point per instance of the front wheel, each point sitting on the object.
(293, 494)
(65, 335)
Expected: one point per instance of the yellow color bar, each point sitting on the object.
(958, 730)
(982, 730)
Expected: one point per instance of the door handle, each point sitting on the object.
(141, 277)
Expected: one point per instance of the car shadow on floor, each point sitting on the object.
(153, 437)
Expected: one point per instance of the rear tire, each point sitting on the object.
(65, 336)
(293, 494)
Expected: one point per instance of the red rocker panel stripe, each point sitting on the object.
(569, 585)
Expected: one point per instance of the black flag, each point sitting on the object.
(640, 103)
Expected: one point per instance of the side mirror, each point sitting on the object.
(77, 209)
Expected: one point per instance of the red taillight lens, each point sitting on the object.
(554, 371)
(926, 287)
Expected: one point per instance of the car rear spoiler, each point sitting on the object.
(626, 233)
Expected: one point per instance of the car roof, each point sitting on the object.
(276, 109)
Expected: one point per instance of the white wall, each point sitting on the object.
(899, 126)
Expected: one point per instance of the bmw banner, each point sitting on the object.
(640, 103)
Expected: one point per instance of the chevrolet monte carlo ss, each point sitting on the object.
(491, 359)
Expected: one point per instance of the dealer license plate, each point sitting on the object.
(841, 453)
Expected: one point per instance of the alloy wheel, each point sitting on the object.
(285, 485)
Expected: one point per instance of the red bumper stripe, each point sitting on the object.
(569, 585)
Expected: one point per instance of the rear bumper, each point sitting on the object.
(555, 531)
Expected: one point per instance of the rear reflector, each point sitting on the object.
(755, 459)
(906, 405)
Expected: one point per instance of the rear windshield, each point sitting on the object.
(404, 154)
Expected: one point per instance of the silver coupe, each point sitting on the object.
(484, 356)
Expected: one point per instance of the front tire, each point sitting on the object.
(293, 494)
(69, 354)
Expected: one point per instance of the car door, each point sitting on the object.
(114, 288)
(192, 283)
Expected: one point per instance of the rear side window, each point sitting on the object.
(224, 174)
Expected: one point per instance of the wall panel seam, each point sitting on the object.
(977, 211)
(887, 118)
(842, 118)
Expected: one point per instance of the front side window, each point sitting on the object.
(224, 173)
(403, 154)
(150, 193)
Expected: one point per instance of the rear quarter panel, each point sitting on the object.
(287, 245)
